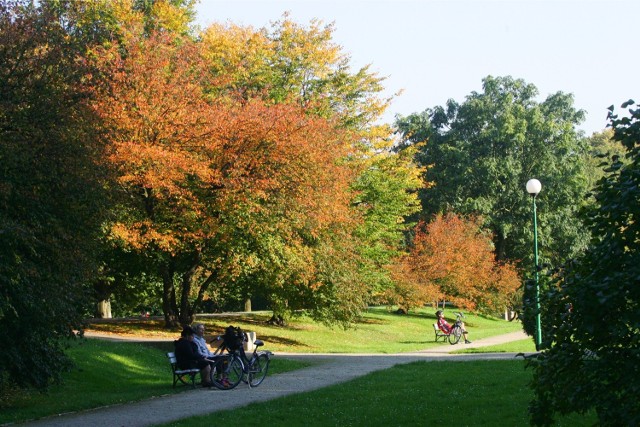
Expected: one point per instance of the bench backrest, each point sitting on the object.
(438, 330)
(172, 358)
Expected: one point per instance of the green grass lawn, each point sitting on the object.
(109, 372)
(379, 331)
(478, 393)
(521, 346)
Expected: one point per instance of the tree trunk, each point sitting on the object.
(247, 305)
(103, 309)
(102, 288)
(203, 289)
(168, 298)
(510, 315)
(185, 314)
(501, 245)
(187, 311)
(277, 320)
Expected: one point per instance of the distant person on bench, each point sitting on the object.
(446, 327)
(187, 356)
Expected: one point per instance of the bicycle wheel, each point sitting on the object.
(226, 373)
(258, 370)
(455, 335)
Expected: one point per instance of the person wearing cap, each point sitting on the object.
(446, 327)
(187, 356)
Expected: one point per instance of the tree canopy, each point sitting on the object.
(237, 179)
(51, 195)
(289, 62)
(479, 155)
(590, 314)
(452, 259)
(140, 156)
(211, 183)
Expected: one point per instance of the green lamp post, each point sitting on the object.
(533, 188)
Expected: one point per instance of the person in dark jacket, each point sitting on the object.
(187, 356)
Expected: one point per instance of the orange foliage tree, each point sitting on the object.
(452, 259)
(215, 191)
(291, 63)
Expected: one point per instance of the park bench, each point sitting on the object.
(185, 376)
(439, 333)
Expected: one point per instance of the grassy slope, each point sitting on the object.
(379, 331)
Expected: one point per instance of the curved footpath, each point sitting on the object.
(332, 369)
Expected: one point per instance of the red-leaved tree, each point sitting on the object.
(452, 259)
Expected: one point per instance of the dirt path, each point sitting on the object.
(331, 369)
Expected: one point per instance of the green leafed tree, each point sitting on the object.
(386, 196)
(50, 193)
(590, 315)
(479, 155)
(602, 148)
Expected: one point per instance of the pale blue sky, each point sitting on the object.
(436, 50)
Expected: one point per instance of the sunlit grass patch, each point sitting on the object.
(520, 346)
(379, 330)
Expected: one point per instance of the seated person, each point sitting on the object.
(198, 339)
(446, 327)
(187, 356)
(203, 349)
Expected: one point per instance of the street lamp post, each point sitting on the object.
(533, 188)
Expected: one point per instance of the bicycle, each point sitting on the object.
(456, 331)
(228, 370)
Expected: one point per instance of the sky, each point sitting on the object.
(433, 51)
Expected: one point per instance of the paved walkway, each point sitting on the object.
(332, 369)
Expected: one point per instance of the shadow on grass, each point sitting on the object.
(281, 340)
(413, 314)
(167, 346)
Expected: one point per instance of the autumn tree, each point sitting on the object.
(218, 191)
(280, 254)
(51, 192)
(452, 259)
(289, 62)
(174, 16)
(96, 22)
